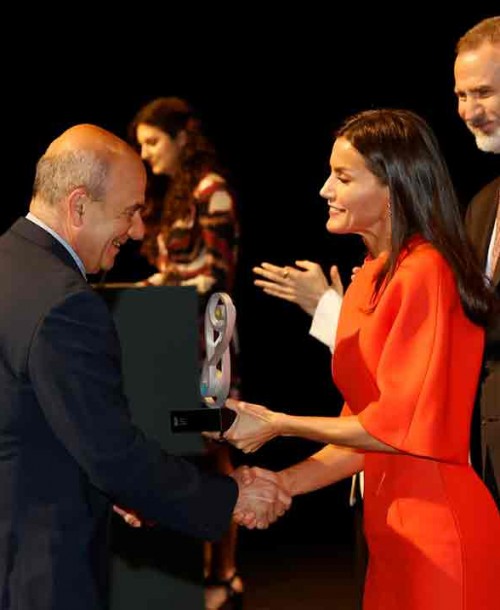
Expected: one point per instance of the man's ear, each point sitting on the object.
(76, 202)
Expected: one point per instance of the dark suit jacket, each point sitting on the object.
(480, 220)
(68, 448)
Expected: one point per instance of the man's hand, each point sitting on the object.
(262, 497)
(353, 272)
(336, 280)
(129, 516)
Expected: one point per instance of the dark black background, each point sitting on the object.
(271, 83)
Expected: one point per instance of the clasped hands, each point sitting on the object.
(263, 496)
(262, 499)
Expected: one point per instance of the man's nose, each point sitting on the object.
(471, 109)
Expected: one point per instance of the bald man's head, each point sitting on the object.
(88, 137)
(89, 188)
(82, 156)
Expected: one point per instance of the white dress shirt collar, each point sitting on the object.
(43, 226)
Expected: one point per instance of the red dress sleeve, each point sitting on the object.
(424, 357)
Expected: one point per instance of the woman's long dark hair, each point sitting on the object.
(400, 148)
(171, 198)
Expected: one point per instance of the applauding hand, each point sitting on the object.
(304, 284)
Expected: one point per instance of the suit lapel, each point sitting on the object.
(496, 271)
(35, 234)
(481, 220)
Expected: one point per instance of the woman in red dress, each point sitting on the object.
(407, 360)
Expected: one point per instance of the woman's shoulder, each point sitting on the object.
(214, 191)
(422, 250)
(210, 183)
(421, 261)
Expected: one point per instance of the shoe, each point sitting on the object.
(231, 598)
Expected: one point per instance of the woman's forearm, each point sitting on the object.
(327, 466)
(342, 431)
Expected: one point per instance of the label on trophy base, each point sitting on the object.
(206, 419)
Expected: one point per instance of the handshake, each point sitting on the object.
(262, 499)
(263, 495)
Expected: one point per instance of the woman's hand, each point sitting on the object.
(304, 284)
(253, 427)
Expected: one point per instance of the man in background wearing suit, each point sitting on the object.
(68, 448)
(477, 86)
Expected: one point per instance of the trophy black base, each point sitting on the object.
(206, 419)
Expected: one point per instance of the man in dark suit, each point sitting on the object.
(68, 449)
(477, 86)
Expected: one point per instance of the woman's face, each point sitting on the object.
(357, 201)
(158, 149)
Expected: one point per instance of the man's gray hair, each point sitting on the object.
(487, 30)
(57, 175)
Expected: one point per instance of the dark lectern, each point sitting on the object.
(153, 568)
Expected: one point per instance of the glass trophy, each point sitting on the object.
(212, 416)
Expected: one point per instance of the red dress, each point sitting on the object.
(409, 369)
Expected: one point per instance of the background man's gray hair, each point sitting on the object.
(487, 30)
